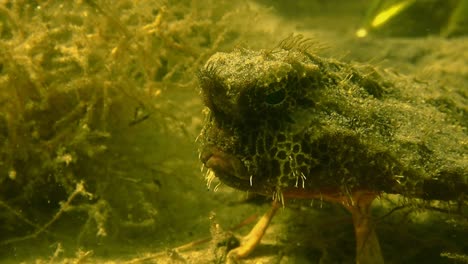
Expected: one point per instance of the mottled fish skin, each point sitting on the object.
(286, 119)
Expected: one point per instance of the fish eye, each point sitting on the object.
(275, 97)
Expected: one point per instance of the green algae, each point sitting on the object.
(104, 93)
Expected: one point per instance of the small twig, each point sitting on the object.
(63, 208)
(391, 212)
(57, 252)
(246, 221)
(18, 214)
(82, 256)
(191, 244)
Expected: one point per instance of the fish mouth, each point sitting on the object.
(227, 167)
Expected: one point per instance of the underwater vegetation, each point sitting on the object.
(92, 96)
(99, 110)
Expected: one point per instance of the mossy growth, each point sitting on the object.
(92, 94)
(285, 117)
(287, 123)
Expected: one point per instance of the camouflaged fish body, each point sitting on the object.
(284, 119)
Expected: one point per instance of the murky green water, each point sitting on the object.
(100, 107)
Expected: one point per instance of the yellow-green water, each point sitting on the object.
(100, 109)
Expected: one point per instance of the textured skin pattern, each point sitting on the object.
(282, 120)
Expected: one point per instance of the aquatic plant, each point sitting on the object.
(92, 94)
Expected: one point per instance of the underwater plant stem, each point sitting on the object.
(367, 243)
(63, 208)
(189, 245)
(249, 242)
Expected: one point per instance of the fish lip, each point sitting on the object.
(205, 155)
(224, 164)
(231, 170)
(208, 157)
